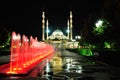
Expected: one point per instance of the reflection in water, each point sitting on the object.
(68, 60)
(65, 65)
(57, 63)
(69, 66)
(47, 68)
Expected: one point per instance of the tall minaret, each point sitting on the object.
(43, 25)
(71, 25)
(68, 29)
(47, 29)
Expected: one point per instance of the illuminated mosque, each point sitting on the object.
(57, 38)
(57, 34)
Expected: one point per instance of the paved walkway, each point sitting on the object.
(71, 66)
(67, 65)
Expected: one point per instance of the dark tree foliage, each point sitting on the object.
(110, 11)
(4, 37)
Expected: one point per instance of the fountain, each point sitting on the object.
(26, 54)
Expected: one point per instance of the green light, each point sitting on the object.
(93, 62)
(86, 52)
(107, 45)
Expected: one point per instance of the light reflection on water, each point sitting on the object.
(65, 64)
(57, 63)
(68, 64)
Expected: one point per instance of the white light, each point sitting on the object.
(77, 37)
(47, 31)
(27, 39)
(47, 66)
(68, 31)
(16, 37)
(68, 66)
(73, 40)
(99, 23)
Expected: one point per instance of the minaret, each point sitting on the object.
(71, 25)
(47, 29)
(43, 25)
(68, 29)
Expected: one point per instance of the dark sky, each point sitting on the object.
(24, 17)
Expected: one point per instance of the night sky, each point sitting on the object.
(25, 17)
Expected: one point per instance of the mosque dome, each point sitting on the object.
(57, 32)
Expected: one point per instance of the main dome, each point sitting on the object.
(57, 32)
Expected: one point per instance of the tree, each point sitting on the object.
(4, 37)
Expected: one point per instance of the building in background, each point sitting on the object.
(57, 38)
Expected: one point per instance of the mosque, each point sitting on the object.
(57, 38)
(58, 35)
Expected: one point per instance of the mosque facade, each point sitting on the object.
(57, 38)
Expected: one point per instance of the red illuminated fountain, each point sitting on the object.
(26, 54)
